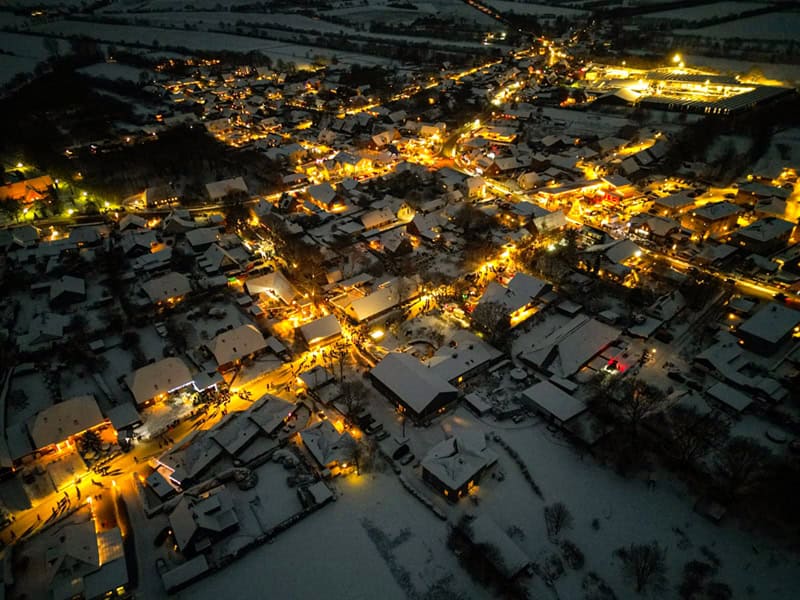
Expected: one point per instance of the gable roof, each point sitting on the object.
(59, 421)
(171, 285)
(414, 383)
(158, 378)
(236, 343)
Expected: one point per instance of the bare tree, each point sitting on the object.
(637, 400)
(353, 397)
(557, 518)
(645, 565)
(695, 435)
(492, 319)
(741, 464)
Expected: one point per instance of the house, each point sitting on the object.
(322, 331)
(157, 380)
(553, 403)
(132, 221)
(67, 290)
(387, 297)
(376, 219)
(274, 285)
(231, 347)
(455, 465)
(414, 388)
(653, 228)
(27, 190)
(200, 239)
(60, 423)
(673, 205)
(769, 328)
(565, 350)
(764, 236)
(712, 220)
(137, 243)
(322, 194)
(520, 298)
(85, 563)
(462, 357)
(217, 190)
(476, 187)
(330, 449)
(167, 289)
(198, 522)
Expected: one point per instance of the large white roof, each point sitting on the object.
(158, 378)
(236, 343)
(275, 284)
(414, 383)
(771, 323)
(554, 401)
(566, 349)
(59, 421)
(171, 285)
(455, 461)
(321, 329)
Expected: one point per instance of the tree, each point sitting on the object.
(695, 435)
(90, 441)
(353, 396)
(492, 318)
(741, 464)
(557, 518)
(636, 400)
(645, 565)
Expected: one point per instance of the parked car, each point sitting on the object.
(407, 459)
(664, 336)
(374, 428)
(382, 436)
(676, 376)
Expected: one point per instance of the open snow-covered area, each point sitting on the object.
(114, 71)
(196, 40)
(772, 71)
(527, 8)
(782, 26)
(10, 66)
(705, 11)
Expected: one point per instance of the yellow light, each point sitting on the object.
(676, 59)
(19, 165)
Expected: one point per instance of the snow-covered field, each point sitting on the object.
(778, 72)
(527, 8)
(114, 71)
(782, 26)
(196, 40)
(10, 66)
(705, 11)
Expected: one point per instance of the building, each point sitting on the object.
(219, 189)
(383, 300)
(520, 298)
(455, 465)
(765, 236)
(322, 331)
(497, 547)
(231, 347)
(198, 522)
(274, 285)
(67, 290)
(157, 380)
(330, 449)
(168, 289)
(464, 356)
(86, 564)
(28, 190)
(712, 220)
(415, 389)
(58, 425)
(565, 350)
(769, 328)
(553, 403)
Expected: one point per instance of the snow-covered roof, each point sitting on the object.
(322, 193)
(771, 323)
(554, 401)
(458, 459)
(469, 353)
(219, 189)
(729, 396)
(269, 412)
(414, 383)
(766, 230)
(321, 329)
(237, 343)
(326, 445)
(202, 236)
(388, 296)
(171, 285)
(59, 421)
(274, 284)
(521, 291)
(67, 285)
(566, 349)
(158, 378)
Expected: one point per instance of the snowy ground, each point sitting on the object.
(526, 8)
(772, 26)
(195, 40)
(705, 11)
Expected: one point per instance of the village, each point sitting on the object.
(469, 320)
